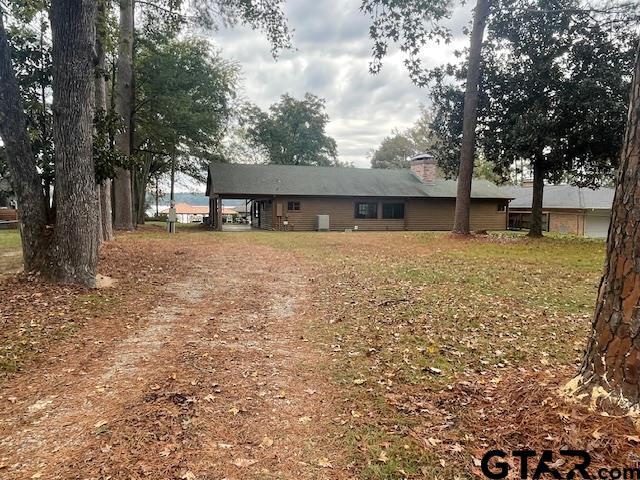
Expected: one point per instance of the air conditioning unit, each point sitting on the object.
(322, 224)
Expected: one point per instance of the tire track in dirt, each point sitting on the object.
(220, 383)
(49, 421)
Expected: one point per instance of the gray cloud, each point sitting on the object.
(331, 57)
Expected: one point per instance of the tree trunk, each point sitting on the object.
(99, 232)
(74, 252)
(22, 164)
(105, 220)
(157, 198)
(612, 359)
(143, 180)
(105, 209)
(469, 121)
(123, 98)
(46, 155)
(535, 229)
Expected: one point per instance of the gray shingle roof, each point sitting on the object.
(563, 196)
(244, 180)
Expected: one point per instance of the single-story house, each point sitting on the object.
(566, 209)
(300, 198)
(189, 213)
(244, 210)
(228, 213)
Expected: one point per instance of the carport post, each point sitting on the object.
(219, 214)
(212, 212)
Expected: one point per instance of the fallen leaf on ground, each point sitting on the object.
(266, 442)
(324, 463)
(244, 462)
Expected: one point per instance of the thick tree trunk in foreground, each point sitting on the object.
(104, 198)
(74, 253)
(123, 96)
(470, 119)
(535, 229)
(612, 362)
(22, 165)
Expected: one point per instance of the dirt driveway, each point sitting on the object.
(216, 381)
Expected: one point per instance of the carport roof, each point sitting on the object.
(563, 196)
(251, 181)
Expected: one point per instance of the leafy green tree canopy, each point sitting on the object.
(265, 15)
(555, 88)
(396, 150)
(411, 25)
(293, 132)
(185, 95)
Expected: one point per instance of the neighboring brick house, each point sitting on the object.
(299, 198)
(566, 209)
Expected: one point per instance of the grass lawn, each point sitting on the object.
(437, 349)
(409, 317)
(10, 254)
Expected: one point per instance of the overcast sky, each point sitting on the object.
(330, 60)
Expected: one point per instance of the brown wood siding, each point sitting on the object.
(341, 214)
(438, 213)
(420, 214)
(485, 215)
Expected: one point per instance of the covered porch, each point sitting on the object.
(249, 211)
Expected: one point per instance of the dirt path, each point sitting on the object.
(220, 382)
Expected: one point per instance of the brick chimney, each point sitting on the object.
(425, 167)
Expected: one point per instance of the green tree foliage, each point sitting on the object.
(293, 132)
(396, 150)
(411, 25)
(554, 96)
(166, 18)
(185, 93)
(181, 112)
(555, 85)
(264, 15)
(556, 91)
(30, 39)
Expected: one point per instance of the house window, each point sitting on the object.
(293, 206)
(502, 207)
(366, 210)
(393, 210)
